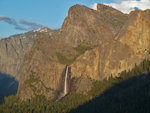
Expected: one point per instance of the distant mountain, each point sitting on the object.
(13, 49)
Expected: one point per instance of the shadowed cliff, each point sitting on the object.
(8, 85)
(129, 96)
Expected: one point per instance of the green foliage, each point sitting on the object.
(71, 57)
(100, 86)
(41, 104)
(33, 79)
(63, 59)
(82, 48)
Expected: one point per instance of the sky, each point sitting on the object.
(19, 16)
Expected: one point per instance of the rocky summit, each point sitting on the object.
(91, 26)
(91, 45)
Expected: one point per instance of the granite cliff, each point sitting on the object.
(43, 66)
(91, 26)
(129, 47)
(96, 44)
(13, 49)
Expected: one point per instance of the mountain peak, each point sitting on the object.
(107, 8)
(43, 29)
(78, 9)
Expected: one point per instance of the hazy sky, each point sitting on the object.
(18, 16)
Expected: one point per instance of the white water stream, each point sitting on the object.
(65, 91)
(65, 85)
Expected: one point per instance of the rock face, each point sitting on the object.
(118, 41)
(12, 51)
(130, 47)
(102, 61)
(43, 62)
(41, 70)
(137, 35)
(89, 26)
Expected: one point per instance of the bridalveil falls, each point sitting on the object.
(65, 83)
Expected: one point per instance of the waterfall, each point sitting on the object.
(65, 85)
(65, 89)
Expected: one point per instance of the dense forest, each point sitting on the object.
(128, 93)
